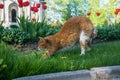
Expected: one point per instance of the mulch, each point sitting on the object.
(26, 46)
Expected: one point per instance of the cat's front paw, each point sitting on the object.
(82, 54)
(44, 56)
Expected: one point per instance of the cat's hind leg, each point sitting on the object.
(83, 42)
(88, 42)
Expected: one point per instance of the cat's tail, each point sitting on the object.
(94, 32)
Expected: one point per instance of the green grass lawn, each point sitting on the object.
(14, 64)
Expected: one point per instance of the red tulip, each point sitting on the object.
(20, 1)
(44, 7)
(35, 9)
(38, 5)
(98, 13)
(1, 6)
(32, 8)
(118, 9)
(26, 3)
(116, 12)
(33, 19)
(88, 13)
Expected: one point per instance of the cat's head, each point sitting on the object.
(43, 43)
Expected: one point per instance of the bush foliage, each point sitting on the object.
(32, 30)
(35, 28)
(14, 36)
(27, 30)
(107, 33)
(1, 29)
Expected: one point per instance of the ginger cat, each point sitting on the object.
(74, 29)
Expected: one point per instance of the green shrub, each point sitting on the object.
(13, 26)
(14, 35)
(26, 30)
(106, 33)
(26, 26)
(47, 30)
(35, 28)
(1, 29)
(117, 26)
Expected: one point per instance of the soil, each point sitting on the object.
(33, 45)
(26, 46)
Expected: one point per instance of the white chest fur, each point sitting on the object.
(83, 39)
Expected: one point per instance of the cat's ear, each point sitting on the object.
(42, 39)
(47, 41)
